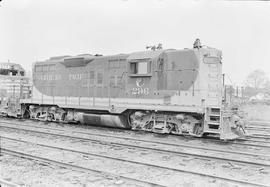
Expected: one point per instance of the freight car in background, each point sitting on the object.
(14, 85)
(162, 91)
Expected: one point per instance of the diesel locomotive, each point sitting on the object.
(158, 90)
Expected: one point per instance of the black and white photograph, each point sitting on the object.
(134, 93)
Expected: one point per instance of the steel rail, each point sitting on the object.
(258, 129)
(258, 126)
(265, 136)
(259, 138)
(259, 121)
(8, 183)
(150, 165)
(162, 150)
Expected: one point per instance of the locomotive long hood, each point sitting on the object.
(145, 55)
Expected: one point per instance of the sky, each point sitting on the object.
(34, 30)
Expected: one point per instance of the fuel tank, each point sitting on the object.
(118, 121)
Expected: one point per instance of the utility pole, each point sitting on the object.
(223, 79)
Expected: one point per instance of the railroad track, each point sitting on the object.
(259, 138)
(256, 140)
(72, 166)
(159, 146)
(158, 167)
(252, 140)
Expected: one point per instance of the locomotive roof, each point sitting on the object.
(148, 54)
(58, 57)
(145, 54)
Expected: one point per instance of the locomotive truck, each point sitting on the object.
(159, 90)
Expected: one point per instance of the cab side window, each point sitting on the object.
(140, 68)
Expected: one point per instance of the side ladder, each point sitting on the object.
(212, 120)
